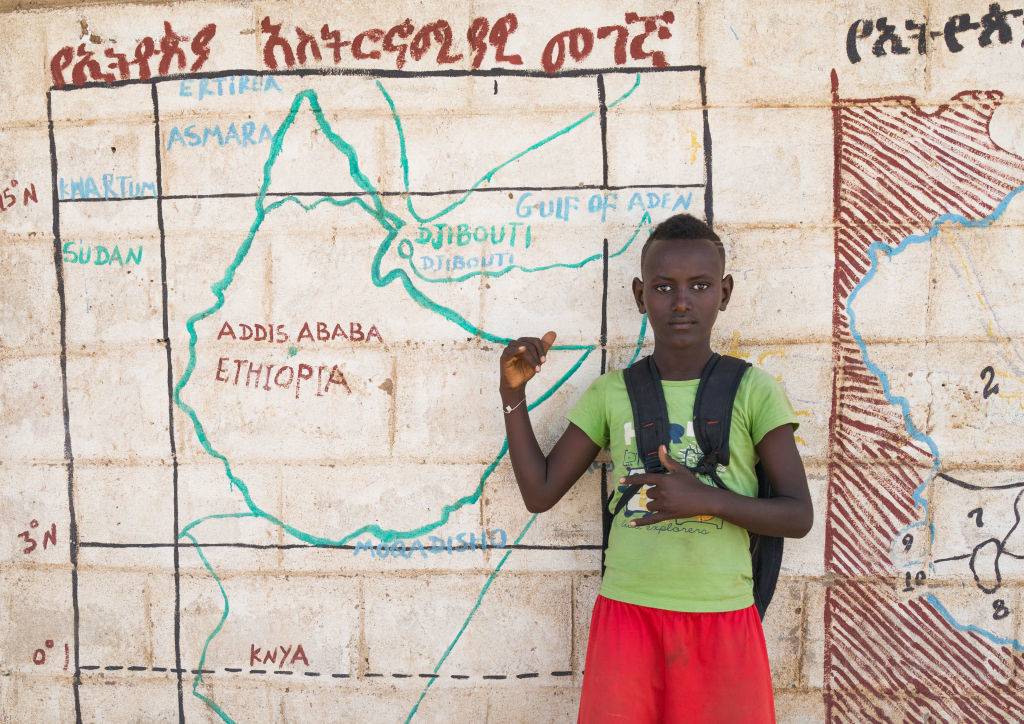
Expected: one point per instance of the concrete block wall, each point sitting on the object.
(251, 451)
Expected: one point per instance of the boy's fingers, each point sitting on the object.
(510, 357)
(548, 339)
(650, 520)
(671, 465)
(529, 357)
(538, 349)
(512, 349)
(641, 479)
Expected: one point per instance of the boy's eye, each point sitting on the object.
(700, 286)
(663, 288)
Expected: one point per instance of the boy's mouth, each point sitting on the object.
(682, 323)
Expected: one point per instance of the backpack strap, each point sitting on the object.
(712, 412)
(650, 427)
(650, 418)
(650, 412)
(712, 420)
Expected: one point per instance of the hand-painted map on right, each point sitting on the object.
(926, 467)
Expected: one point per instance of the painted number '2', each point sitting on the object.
(990, 389)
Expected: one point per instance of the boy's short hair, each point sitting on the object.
(683, 227)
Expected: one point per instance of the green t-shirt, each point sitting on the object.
(697, 564)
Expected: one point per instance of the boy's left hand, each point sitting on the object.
(675, 494)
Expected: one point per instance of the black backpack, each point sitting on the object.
(712, 417)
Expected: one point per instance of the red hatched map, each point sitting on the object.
(897, 170)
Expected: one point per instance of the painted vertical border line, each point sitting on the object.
(709, 209)
(603, 110)
(69, 458)
(604, 365)
(829, 552)
(604, 307)
(154, 94)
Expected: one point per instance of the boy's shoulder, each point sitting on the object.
(760, 376)
(612, 379)
(757, 386)
(762, 402)
(757, 377)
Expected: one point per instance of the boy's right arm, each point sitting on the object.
(542, 480)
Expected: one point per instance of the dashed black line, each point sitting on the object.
(333, 675)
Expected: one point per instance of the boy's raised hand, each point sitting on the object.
(522, 359)
(675, 494)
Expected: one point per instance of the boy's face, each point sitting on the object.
(682, 291)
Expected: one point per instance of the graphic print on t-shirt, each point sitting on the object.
(684, 449)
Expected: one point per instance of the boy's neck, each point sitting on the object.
(681, 364)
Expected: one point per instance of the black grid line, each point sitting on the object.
(100, 669)
(603, 110)
(350, 194)
(341, 547)
(385, 73)
(69, 458)
(170, 392)
(709, 211)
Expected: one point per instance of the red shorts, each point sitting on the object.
(651, 665)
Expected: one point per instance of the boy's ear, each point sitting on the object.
(726, 292)
(638, 295)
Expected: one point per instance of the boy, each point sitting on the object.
(674, 635)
